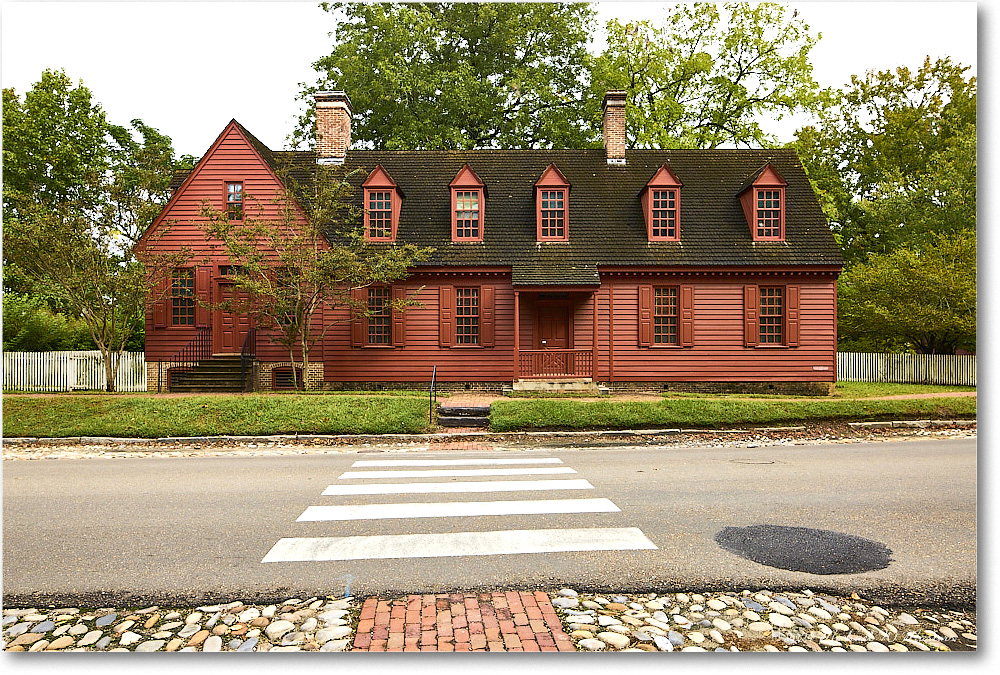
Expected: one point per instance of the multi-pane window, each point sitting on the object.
(234, 201)
(772, 315)
(467, 214)
(665, 315)
(769, 213)
(380, 214)
(467, 316)
(553, 213)
(379, 317)
(182, 298)
(664, 223)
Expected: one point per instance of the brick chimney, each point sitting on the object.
(333, 126)
(614, 127)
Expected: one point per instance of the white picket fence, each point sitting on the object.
(70, 371)
(907, 368)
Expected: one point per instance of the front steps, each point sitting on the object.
(217, 374)
(463, 416)
(576, 385)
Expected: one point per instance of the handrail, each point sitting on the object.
(194, 351)
(247, 355)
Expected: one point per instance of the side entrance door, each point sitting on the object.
(229, 327)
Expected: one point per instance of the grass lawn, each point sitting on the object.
(526, 414)
(143, 416)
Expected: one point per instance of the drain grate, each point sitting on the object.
(804, 549)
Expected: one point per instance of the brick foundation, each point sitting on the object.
(787, 388)
(263, 379)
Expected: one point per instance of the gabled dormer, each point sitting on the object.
(763, 201)
(468, 206)
(661, 206)
(383, 200)
(552, 205)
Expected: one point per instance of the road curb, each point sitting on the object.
(354, 439)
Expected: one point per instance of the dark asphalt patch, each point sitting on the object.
(804, 549)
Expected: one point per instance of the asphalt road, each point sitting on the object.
(189, 530)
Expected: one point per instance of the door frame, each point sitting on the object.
(217, 316)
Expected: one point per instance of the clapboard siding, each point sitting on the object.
(414, 362)
(231, 158)
(719, 353)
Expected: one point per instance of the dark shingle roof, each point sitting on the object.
(606, 225)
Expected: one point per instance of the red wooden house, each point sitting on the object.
(639, 269)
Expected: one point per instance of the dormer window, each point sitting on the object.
(467, 206)
(552, 205)
(763, 202)
(661, 206)
(383, 200)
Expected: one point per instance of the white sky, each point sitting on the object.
(187, 68)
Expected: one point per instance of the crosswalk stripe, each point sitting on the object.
(458, 486)
(504, 542)
(454, 509)
(438, 473)
(453, 462)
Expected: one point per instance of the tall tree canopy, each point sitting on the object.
(459, 75)
(79, 193)
(705, 78)
(895, 158)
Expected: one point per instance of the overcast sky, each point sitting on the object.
(187, 68)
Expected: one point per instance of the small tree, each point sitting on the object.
(301, 252)
(78, 192)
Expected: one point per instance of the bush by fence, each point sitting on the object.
(70, 371)
(907, 368)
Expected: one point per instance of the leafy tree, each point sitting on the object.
(895, 158)
(285, 267)
(458, 75)
(700, 81)
(80, 194)
(923, 296)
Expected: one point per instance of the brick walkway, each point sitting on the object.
(470, 622)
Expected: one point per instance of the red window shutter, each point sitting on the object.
(645, 315)
(203, 291)
(359, 323)
(751, 312)
(792, 315)
(398, 318)
(487, 324)
(446, 315)
(687, 316)
(161, 306)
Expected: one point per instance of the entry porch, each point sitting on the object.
(555, 334)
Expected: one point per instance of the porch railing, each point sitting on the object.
(555, 363)
(199, 349)
(248, 353)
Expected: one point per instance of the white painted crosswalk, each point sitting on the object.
(472, 543)
(454, 509)
(505, 542)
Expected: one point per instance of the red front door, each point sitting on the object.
(229, 328)
(553, 327)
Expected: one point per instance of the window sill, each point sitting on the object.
(662, 346)
(378, 346)
(770, 347)
(467, 347)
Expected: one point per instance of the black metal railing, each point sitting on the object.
(198, 349)
(248, 354)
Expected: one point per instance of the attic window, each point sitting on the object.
(234, 201)
(467, 204)
(383, 200)
(552, 205)
(763, 202)
(661, 206)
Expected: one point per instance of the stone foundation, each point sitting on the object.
(785, 388)
(263, 380)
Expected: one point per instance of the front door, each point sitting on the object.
(229, 327)
(553, 327)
